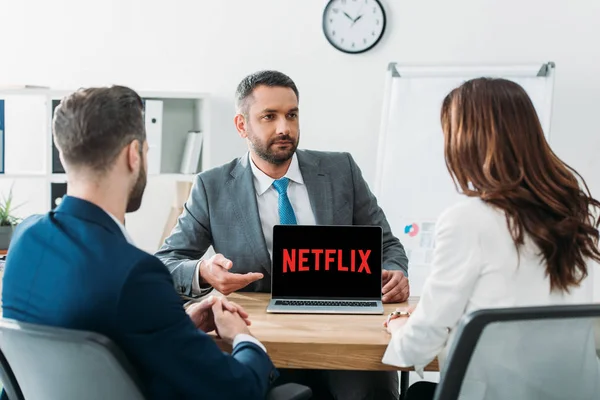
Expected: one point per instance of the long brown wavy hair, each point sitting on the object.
(495, 149)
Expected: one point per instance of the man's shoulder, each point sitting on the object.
(324, 158)
(220, 172)
(34, 223)
(30, 222)
(324, 155)
(125, 255)
(87, 240)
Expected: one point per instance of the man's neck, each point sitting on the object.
(101, 194)
(274, 171)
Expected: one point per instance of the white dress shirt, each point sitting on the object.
(268, 199)
(122, 228)
(475, 266)
(239, 338)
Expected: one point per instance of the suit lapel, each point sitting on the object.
(318, 185)
(241, 189)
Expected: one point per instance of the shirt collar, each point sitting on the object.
(122, 228)
(262, 181)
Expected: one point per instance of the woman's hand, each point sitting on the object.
(398, 318)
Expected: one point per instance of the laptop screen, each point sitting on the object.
(327, 262)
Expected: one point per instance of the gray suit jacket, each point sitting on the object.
(222, 211)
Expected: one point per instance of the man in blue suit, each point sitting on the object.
(77, 268)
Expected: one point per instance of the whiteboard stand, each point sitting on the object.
(412, 182)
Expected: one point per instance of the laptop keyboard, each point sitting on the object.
(325, 303)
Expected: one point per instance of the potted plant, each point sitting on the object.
(7, 220)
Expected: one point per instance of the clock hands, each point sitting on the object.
(357, 18)
(353, 19)
(360, 16)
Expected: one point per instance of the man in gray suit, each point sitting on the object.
(235, 206)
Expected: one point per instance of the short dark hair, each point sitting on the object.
(91, 126)
(266, 78)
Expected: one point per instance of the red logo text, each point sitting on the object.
(324, 260)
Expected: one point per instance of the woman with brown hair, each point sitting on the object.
(525, 236)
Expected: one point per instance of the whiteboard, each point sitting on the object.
(412, 183)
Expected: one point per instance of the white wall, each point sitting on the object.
(208, 46)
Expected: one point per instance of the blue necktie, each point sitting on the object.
(286, 212)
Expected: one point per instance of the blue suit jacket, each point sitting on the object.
(74, 268)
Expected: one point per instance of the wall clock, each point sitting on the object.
(354, 26)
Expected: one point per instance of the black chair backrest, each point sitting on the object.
(544, 343)
(58, 363)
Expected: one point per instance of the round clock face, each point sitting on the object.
(353, 26)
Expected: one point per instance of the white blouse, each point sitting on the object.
(475, 266)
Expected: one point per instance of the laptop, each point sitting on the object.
(321, 269)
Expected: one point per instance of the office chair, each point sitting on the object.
(550, 352)
(58, 363)
(9, 383)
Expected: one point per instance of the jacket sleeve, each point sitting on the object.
(162, 342)
(368, 212)
(189, 240)
(456, 267)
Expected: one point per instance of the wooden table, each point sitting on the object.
(310, 341)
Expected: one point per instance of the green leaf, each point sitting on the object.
(6, 210)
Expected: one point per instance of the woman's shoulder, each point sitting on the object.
(471, 212)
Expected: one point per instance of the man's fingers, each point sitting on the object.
(397, 278)
(385, 275)
(243, 313)
(221, 261)
(230, 282)
(240, 310)
(253, 277)
(241, 280)
(403, 296)
(391, 295)
(392, 283)
(229, 305)
(200, 307)
(234, 308)
(215, 268)
(405, 288)
(403, 282)
(403, 285)
(217, 308)
(206, 303)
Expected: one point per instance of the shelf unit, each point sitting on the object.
(33, 170)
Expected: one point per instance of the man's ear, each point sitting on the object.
(134, 159)
(240, 124)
